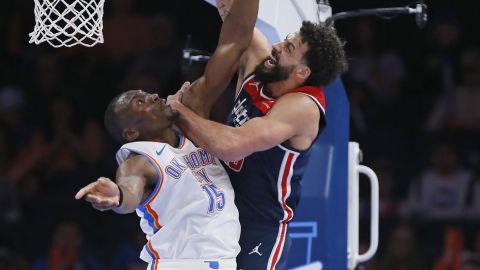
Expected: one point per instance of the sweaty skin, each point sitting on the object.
(294, 118)
(136, 178)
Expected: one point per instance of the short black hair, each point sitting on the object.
(326, 55)
(112, 120)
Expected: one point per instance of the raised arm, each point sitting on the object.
(133, 178)
(235, 37)
(223, 7)
(284, 123)
(258, 49)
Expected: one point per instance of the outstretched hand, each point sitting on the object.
(103, 194)
(175, 101)
(177, 97)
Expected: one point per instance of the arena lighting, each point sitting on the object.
(419, 9)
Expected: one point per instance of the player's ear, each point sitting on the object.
(303, 71)
(130, 134)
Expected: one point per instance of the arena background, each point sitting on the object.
(413, 96)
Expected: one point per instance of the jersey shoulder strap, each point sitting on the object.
(145, 148)
(315, 93)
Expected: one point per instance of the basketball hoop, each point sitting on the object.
(65, 23)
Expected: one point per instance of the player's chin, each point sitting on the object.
(173, 114)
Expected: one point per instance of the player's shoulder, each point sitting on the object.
(297, 109)
(297, 101)
(148, 149)
(307, 98)
(141, 144)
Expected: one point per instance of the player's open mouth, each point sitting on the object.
(271, 62)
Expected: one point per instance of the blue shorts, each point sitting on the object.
(264, 246)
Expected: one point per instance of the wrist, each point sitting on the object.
(120, 199)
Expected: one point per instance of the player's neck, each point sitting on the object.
(278, 89)
(168, 136)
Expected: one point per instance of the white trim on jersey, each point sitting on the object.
(247, 79)
(286, 149)
(284, 189)
(316, 101)
(265, 96)
(238, 91)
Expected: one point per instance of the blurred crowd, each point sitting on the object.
(415, 111)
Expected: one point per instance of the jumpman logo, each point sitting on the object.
(256, 84)
(255, 250)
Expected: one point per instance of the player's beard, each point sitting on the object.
(270, 75)
(173, 115)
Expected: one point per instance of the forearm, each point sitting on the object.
(130, 198)
(220, 140)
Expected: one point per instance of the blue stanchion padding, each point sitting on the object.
(310, 234)
(324, 192)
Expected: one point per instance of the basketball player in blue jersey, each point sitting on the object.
(278, 113)
(181, 193)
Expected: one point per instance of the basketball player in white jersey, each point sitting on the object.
(181, 193)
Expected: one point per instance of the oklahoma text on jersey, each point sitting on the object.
(190, 218)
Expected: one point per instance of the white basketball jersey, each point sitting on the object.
(191, 213)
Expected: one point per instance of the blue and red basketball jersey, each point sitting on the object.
(267, 183)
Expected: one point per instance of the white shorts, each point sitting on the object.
(165, 264)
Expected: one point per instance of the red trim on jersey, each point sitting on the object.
(149, 209)
(155, 254)
(315, 92)
(254, 87)
(279, 247)
(286, 174)
(288, 213)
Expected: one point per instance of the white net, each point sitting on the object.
(65, 23)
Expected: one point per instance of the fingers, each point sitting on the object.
(185, 86)
(100, 203)
(105, 181)
(171, 99)
(102, 181)
(175, 105)
(94, 193)
(179, 95)
(85, 190)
